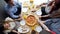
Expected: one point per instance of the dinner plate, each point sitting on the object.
(38, 29)
(23, 29)
(22, 22)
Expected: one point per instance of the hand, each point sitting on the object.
(52, 32)
(20, 18)
(37, 6)
(33, 10)
(39, 17)
(18, 33)
(15, 31)
(40, 5)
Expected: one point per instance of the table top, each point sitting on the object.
(25, 15)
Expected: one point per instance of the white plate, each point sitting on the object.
(38, 12)
(24, 9)
(23, 29)
(12, 25)
(38, 29)
(22, 22)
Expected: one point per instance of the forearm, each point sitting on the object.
(44, 16)
(14, 31)
(19, 18)
(43, 25)
(12, 15)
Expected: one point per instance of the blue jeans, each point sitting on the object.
(53, 24)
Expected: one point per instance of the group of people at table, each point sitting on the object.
(13, 10)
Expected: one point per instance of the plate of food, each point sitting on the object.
(31, 20)
(23, 29)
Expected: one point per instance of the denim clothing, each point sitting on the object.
(13, 11)
(53, 24)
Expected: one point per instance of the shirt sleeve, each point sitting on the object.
(10, 13)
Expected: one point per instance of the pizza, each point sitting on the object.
(31, 20)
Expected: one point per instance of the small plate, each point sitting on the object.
(24, 9)
(23, 29)
(22, 22)
(38, 29)
(12, 25)
(39, 12)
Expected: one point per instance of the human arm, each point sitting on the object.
(10, 13)
(43, 25)
(15, 31)
(44, 16)
(41, 5)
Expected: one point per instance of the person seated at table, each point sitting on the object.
(7, 26)
(43, 5)
(46, 9)
(13, 9)
(54, 23)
